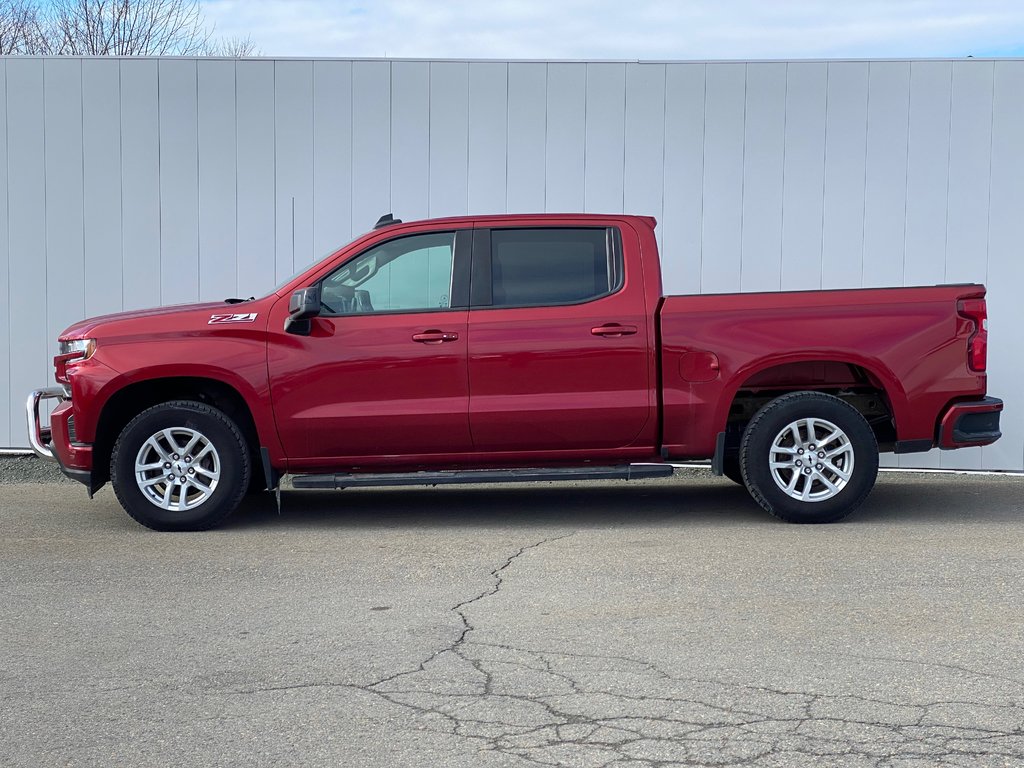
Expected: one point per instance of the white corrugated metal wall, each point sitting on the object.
(133, 182)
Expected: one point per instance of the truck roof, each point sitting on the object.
(511, 218)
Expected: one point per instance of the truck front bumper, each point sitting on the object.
(56, 441)
(971, 423)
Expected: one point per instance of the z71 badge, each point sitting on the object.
(236, 317)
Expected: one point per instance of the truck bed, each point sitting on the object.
(908, 343)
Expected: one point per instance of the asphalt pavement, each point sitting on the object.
(611, 625)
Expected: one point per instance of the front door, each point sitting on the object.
(382, 372)
(559, 356)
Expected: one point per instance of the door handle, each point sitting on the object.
(613, 330)
(435, 337)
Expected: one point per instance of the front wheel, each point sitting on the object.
(808, 457)
(180, 466)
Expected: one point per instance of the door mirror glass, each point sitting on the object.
(303, 305)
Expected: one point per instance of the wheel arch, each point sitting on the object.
(130, 400)
(868, 385)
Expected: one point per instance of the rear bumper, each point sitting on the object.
(55, 441)
(971, 423)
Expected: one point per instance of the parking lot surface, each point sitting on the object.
(617, 625)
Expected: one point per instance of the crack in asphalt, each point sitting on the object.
(658, 719)
(459, 609)
(558, 708)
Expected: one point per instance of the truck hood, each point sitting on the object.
(85, 328)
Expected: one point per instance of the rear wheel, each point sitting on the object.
(180, 466)
(808, 457)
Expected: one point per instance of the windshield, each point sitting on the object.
(308, 267)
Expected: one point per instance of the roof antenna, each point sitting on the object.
(386, 221)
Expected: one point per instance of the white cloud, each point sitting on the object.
(613, 29)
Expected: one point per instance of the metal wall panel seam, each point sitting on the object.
(199, 198)
(664, 150)
(159, 188)
(949, 159)
(782, 191)
(864, 202)
(273, 80)
(8, 434)
(703, 181)
(625, 139)
(506, 135)
(703, 176)
(81, 117)
(906, 171)
(988, 207)
(313, 148)
(390, 137)
(824, 171)
(586, 116)
(743, 176)
(120, 171)
(46, 264)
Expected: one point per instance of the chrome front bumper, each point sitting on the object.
(38, 435)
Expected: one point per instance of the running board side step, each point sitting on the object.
(539, 475)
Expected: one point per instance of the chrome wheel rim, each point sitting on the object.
(811, 460)
(177, 469)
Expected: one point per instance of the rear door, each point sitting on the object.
(558, 340)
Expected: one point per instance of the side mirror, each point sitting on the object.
(303, 305)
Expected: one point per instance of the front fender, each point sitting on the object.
(241, 366)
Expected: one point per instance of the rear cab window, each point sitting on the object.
(545, 266)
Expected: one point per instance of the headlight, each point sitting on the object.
(71, 353)
(82, 349)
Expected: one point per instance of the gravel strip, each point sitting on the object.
(15, 470)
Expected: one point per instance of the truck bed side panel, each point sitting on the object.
(911, 341)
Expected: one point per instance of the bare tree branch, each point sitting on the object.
(232, 47)
(112, 28)
(19, 28)
(124, 27)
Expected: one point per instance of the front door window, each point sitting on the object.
(408, 274)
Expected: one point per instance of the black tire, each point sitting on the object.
(230, 448)
(770, 421)
(731, 468)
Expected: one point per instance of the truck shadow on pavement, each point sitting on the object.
(898, 498)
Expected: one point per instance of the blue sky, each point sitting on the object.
(616, 29)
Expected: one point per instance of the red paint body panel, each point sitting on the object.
(74, 455)
(373, 388)
(910, 340)
(527, 386)
(541, 380)
(135, 347)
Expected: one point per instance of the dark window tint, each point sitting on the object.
(552, 266)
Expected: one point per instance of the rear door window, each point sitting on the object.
(551, 266)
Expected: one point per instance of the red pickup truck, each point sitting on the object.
(512, 348)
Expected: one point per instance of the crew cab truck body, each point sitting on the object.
(511, 348)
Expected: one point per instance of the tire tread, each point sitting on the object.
(767, 412)
(227, 506)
